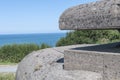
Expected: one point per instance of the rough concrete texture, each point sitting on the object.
(47, 64)
(103, 59)
(104, 14)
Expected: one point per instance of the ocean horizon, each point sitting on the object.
(34, 38)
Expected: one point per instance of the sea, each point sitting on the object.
(47, 38)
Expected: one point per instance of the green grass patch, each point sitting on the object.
(8, 63)
(7, 76)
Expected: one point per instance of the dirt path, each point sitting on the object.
(8, 68)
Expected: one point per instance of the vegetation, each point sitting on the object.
(43, 46)
(7, 76)
(16, 52)
(89, 37)
(8, 63)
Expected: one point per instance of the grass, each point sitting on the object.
(7, 63)
(7, 76)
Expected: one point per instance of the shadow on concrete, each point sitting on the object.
(111, 48)
(61, 60)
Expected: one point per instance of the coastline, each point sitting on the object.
(47, 38)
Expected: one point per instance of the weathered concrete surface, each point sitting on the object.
(47, 64)
(104, 14)
(103, 59)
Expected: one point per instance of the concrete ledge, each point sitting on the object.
(103, 59)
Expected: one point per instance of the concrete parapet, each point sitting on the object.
(103, 59)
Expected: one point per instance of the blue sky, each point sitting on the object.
(33, 16)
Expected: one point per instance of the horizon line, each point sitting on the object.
(31, 33)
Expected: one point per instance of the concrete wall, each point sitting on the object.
(107, 64)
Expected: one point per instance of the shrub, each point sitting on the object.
(16, 52)
(44, 46)
(89, 37)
